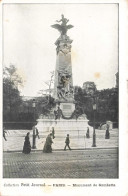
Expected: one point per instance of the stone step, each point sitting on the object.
(100, 133)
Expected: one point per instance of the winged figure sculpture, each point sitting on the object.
(63, 27)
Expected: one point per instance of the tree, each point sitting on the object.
(46, 102)
(42, 108)
(108, 104)
(106, 101)
(83, 101)
(11, 94)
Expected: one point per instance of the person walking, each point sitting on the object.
(87, 134)
(37, 132)
(48, 144)
(27, 145)
(107, 134)
(67, 141)
(4, 132)
(53, 133)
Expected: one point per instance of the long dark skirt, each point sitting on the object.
(27, 147)
(107, 134)
(47, 148)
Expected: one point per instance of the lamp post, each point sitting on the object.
(34, 106)
(94, 134)
(34, 129)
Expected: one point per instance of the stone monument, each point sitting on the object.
(63, 86)
(65, 119)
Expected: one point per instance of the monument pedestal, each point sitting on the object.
(67, 108)
(62, 127)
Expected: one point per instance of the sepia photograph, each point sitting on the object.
(60, 90)
(64, 98)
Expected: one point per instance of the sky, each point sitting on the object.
(28, 42)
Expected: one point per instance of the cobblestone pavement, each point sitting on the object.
(93, 163)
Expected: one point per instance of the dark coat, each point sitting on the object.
(48, 145)
(27, 146)
(67, 141)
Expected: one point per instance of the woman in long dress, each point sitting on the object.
(48, 144)
(27, 145)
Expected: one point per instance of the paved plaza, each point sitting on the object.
(83, 161)
(91, 163)
(15, 140)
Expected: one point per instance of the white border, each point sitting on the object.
(122, 182)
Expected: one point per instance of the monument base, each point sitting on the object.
(62, 127)
(67, 108)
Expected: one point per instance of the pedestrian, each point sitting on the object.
(53, 132)
(48, 144)
(27, 145)
(55, 114)
(107, 134)
(67, 141)
(87, 134)
(37, 132)
(4, 132)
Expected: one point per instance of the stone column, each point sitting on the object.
(63, 86)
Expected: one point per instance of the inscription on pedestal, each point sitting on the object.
(67, 107)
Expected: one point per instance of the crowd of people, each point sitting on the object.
(48, 143)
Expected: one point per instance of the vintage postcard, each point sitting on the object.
(64, 87)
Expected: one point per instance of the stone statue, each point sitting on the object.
(63, 27)
(63, 20)
(58, 113)
(64, 88)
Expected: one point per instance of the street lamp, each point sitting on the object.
(94, 134)
(34, 106)
(34, 129)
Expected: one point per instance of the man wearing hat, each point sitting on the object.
(67, 141)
